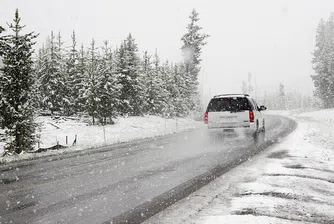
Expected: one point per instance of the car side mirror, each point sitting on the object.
(262, 108)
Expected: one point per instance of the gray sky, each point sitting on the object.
(272, 39)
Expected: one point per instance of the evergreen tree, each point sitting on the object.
(91, 93)
(181, 82)
(166, 77)
(73, 82)
(2, 42)
(38, 68)
(52, 82)
(127, 69)
(158, 90)
(153, 84)
(193, 41)
(79, 83)
(66, 102)
(16, 88)
(323, 62)
(108, 89)
(176, 86)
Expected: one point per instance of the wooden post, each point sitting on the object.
(75, 141)
(66, 140)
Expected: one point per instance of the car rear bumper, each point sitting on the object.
(247, 129)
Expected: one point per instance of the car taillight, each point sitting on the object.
(206, 118)
(251, 116)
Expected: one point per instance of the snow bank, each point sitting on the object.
(127, 129)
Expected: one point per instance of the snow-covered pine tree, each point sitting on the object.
(38, 68)
(73, 82)
(51, 78)
(121, 69)
(91, 93)
(152, 79)
(169, 89)
(187, 89)
(176, 90)
(158, 86)
(128, 71)
(42, 68)
(148, 94)
(323, 62)
(2, 42)
(193, 41)
(180, 81)
(16, 88)
(80, 81)
(65, 93)
(108, 89)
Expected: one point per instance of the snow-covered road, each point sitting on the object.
(128, 181)
(291, 182)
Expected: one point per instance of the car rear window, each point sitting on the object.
(229, 104)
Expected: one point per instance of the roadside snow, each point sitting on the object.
(125, 129)
(292, 182)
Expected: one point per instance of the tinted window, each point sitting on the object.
(229, 104)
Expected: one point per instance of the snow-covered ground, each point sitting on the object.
(125, 129)
(291, 182)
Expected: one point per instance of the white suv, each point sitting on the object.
(235, 111)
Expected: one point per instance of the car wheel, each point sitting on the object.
(256, 133)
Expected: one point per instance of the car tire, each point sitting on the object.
(256, 133)
(260, 135)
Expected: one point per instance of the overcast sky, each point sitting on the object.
(271, 39)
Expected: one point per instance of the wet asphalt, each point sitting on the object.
(124, 183)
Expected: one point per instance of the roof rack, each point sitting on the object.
(238, 94)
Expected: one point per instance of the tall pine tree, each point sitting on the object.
(72, 73)
(66, 103)
(127, 69)
(193, 41)
(108, 89)
(91, 94)
(158, 86)
(16, 88)
(79, 83)
(323, 62)
(52, 78)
